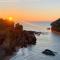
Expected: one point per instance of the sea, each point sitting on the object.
(47, 40)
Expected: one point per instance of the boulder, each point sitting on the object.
(48, 52)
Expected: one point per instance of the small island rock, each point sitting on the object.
(48, 52)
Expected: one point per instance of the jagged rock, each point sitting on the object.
(55, 26)
(14, 36)
(48, 52)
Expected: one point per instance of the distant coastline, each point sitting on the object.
(55, 26)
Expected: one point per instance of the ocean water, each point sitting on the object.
(44, 41)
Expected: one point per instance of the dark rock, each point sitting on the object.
(55, 26)
(48, 28)
(2, 53)
(14, 36)
(34, 32)
(48, 52)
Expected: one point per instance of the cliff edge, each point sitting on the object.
(55, 26)
(13, 36)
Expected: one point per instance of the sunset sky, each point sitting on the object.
(30, 10)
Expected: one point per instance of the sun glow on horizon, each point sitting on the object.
(10, 18)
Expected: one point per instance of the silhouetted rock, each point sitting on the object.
(14, 36)
(48, 28)
(6, 24)
(48, 52)
(55, 26)
(2, 53)
(35, 32)
(19, 27)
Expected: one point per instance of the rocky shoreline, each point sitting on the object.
(55, 26)
(14, 36)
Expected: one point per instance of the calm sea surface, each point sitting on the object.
(44, 41)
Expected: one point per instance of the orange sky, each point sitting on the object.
(30, 10)
(31, 15)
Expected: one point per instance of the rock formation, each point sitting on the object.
(14, 36)
(48, 52)
(55, 26)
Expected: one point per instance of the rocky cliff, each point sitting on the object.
(55, 26)
(12, 37)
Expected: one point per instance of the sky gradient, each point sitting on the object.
(30, 10)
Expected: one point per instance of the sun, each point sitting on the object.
(10, 18)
